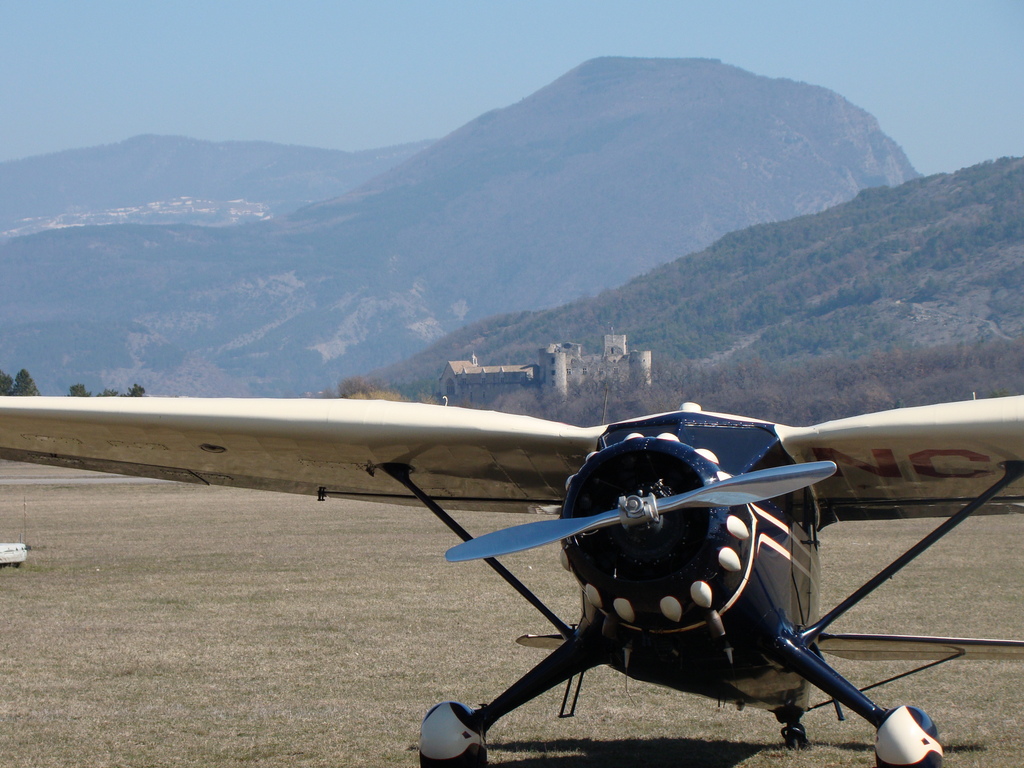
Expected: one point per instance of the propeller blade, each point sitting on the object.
(527, 536)
(748, 488)
(751, 487)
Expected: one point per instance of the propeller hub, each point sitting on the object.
(653, 559)
(636, 510)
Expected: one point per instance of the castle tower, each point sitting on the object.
(615, 346)
(556, 361)
(640, 367)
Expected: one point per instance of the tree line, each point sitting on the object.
(19, 385)
(803, 393)
(22, 385)
(808, 392)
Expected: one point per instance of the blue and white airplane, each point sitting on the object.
(693, 535)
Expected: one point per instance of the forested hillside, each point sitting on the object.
(936, 261)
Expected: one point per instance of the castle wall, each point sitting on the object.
(558, 368)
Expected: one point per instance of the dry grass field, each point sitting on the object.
(159, 625)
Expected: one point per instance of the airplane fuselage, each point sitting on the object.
(695, 602)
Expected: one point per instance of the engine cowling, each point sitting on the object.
(668, 574)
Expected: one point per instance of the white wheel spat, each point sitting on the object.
(448, 737)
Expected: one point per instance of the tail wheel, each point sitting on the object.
(795, 737)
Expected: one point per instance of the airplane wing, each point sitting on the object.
(915, 462)
(465, 459)
(911, 462)
(919, 648)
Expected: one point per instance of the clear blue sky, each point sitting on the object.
(945, 79)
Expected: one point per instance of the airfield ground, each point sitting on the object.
(160, 625)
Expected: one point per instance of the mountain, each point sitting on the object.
(172, 179)
(935, 261)
(618, 166)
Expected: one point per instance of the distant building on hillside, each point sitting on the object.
(466, 381)
(558, 366)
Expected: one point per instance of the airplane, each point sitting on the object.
(693, 535)
(13, 554)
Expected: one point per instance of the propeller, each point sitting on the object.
(748, 488)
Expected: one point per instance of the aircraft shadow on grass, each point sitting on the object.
(662, 752)
(653, 753)
(648, 752)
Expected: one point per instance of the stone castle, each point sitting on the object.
(558, 367)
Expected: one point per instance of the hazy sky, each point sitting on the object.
(944, 78)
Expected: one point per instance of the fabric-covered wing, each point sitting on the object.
(913, 648)
(915, 462)
(466, 459)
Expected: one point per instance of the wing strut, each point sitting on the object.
(402, 473)
(1013, 470)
